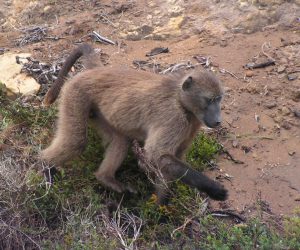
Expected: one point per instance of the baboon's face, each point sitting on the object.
(212, 112)
(203, 98)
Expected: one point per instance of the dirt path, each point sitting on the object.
(262, 129)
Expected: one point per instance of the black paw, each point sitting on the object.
(217, 192)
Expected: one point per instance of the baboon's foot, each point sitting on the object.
(115, 185)
(217, 192)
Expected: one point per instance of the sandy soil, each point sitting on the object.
(259, 108)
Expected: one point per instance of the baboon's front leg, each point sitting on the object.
(174, 169)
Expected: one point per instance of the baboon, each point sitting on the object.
(164, 112)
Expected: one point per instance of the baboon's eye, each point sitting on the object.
(213, 100)
(209, 100)
(218, 98)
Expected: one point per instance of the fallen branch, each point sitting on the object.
(259, 65)
(230, 73)
(157, 51)
(177, 66)
(32, 35)
(102, 38)
(202, 60)
(226, 213)
(224, 151)
(265, 53)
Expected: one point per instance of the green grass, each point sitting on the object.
(73, 212)
(203, 150)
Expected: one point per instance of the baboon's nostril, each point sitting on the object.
(218, 124)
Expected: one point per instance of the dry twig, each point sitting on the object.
(227, 213)
(32, 35)
(102, 38)
(121, 225)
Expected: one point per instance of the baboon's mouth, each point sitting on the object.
(212, 125)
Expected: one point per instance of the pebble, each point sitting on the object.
(286, 125)
(296, 95)
(297, 113)
(47, 9)
(281, 69)
(270, 105)
(235, 144)
(278, 119)
(292, 77)
(249, 73)
(285, 111)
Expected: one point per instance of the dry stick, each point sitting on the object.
(102, 38)
(222, 213)
(230, 73)
(147, 166)
(224, 151)
(190, 219)
(104, 16)
(266, 54)
(179, 65)
(21, 232)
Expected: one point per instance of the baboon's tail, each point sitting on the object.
(52, 94)
(71, 135)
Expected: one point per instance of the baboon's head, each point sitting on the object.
(201, 93)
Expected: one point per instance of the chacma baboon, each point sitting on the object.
(165, 112)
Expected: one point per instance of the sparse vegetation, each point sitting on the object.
(73, 211)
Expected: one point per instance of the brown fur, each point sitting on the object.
(130, 104)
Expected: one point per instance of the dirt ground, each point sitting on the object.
(261, 107)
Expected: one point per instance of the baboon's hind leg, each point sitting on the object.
(115, 153)
(71, 134)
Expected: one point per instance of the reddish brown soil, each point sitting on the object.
(271, 168)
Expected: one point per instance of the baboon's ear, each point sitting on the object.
(187, 84)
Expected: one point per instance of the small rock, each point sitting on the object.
(157, 51)
(285, 111)
(270, 105)
(253, 89)
(281, 69)
(47, 9)
(246, 149)
(249, 73)
(235, 144)
(15, 81)
(223, 43)
(278, 119)
(292, 77)
(283, 60)
(297, 113)
(286, 125)
(296, 95)
(291, 153)
(249, 65)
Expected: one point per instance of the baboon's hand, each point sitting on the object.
(217, 192)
